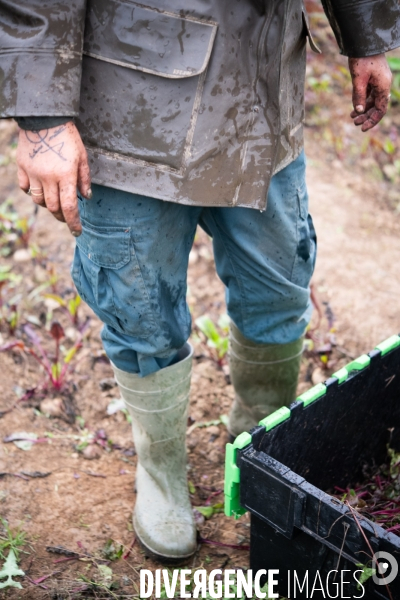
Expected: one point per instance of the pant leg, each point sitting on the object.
(266, 259)
(130, 267)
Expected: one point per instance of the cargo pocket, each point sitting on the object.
(304, 261)
(107, 275)
(142, 81)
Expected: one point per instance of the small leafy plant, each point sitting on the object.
(11, 542)
(55, 366)
(10, 569)
(15, 231)
(69, 306)
(216, 335)
(9, 300)
(10, 312)
(10, 539)
(394, 64)
(88, 438)
(112, 550)
(377, 498)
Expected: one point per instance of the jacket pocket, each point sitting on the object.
(142, 82)
(304, 262)
(107, 275)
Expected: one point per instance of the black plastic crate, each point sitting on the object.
(282, 468)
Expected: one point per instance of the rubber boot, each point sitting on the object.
(158, 404)
(264, 377)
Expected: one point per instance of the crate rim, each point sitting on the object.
(232, 471)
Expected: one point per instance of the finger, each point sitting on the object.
(382, 101)
(369, 119)
(360, 119)
(23, 180)
(69, 205)
(360, 92)
(52, 198)
(36, 192)
(381, 83)
(369, 104)
(373, 119)
(39, 201)
(84, 180)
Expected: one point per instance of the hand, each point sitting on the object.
(372, 78)
(52, 163)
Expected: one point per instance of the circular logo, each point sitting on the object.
(386, 567)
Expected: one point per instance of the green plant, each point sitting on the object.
(216, 335)
(7, 276)
(394, 64)
(51, 282)
(320, 84)
(10, 569)
(10, 539)
(87, 438)
(55, 366)
(9, 314)
(112, 550)
(209, 511)
(9, 301)
(15, 231)
(70, 306)
(366, 574)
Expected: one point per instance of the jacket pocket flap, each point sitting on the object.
(105, 246)
(314, 47)
(148, 40)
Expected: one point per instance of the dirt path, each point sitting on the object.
(358, 253)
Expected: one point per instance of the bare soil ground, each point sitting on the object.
(82, 504)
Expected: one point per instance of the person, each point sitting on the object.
(182, 114)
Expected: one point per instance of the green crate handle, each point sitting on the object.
(232, 476)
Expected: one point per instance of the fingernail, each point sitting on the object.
(360, 108)
(89, 194)
(76, 233)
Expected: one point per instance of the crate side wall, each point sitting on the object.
(330, 442)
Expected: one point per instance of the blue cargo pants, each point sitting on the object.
(131, 261)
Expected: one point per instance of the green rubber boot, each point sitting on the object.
(158, 404)
(264, 377)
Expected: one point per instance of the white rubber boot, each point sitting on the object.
(158, 404)
(264, 377)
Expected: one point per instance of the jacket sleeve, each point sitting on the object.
(364, 28)
(39, 123)
(40, 57)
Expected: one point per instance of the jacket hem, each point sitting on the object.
(163, 185)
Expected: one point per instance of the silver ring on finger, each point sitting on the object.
(31, 191)
(36, 195)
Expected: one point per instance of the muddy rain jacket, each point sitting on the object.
(198, 102)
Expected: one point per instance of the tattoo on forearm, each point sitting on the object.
(43, 143)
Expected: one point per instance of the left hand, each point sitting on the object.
(371, 78)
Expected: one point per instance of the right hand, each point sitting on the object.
(53, 163)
